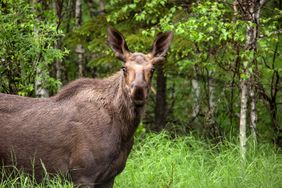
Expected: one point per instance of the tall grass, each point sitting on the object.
(18, 179)
(160, 161)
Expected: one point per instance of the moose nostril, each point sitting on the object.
(139, 93)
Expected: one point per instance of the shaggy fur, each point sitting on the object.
(39, 127)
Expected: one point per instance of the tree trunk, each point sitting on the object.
(93, 11)
(253, 123)
(160, 108)
(211, 128)
(57, 7)
(243, 117)
(40, 91)
(251, 13)
(79, 48)
(195, 93)
(58, 64)
(194, 121)
(101, 7)
(273, 107)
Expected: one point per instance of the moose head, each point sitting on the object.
(138, 68)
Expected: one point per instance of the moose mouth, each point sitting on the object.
(139, 103)
(139, 97)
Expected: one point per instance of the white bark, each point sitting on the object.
(40, 91)
(251, 11)
(253, 123)
(102, 6)
(80, 51)
(78, 12)
(211, 126)
(212, 104)
(256, 9)
(243, 117)
(58, 62)
(195, 94)
(58, 65)
(211, 94)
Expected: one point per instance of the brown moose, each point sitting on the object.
(86, 130)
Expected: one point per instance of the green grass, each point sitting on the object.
(18, 179)
(159, 161)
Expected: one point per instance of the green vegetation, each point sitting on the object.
(158, 160)
(26, 45)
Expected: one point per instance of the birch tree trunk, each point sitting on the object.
(101, 7)
(211, 92)
(243, 117)
(253, 123)
(40, 91)
(195, 93)
(194, 121)
(251, 13)
(58, 63)
(256, 9)
(211, 126)
(79, 48)
(93, 11)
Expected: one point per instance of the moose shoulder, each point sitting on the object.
(86, 130)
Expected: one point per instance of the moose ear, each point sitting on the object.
(118, 44)
(161, 44)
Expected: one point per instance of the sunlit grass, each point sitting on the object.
(160, 161)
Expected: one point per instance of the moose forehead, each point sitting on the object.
(139, 59)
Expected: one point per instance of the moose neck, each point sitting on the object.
(109, 93)
(129, 113)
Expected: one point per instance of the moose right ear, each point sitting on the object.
(118, 44)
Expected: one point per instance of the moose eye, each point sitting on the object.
(124, 69)
(152, 70)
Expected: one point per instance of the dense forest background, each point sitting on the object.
(221, 79)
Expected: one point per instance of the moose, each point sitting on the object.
(86, 130)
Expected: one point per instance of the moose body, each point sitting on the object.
(86, 130)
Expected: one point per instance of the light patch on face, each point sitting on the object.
(137, 64)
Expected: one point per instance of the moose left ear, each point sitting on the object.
(161, 44)
(118, 44)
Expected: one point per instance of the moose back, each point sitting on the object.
(86, 130)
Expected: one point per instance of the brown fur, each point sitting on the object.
(39, 127)
(86, 130)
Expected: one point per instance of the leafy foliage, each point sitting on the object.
(27, 44)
